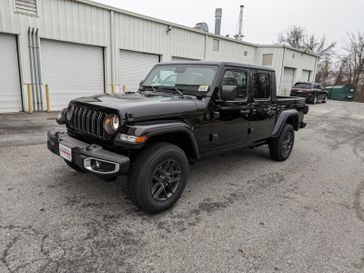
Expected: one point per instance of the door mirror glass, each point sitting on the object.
(229, 92)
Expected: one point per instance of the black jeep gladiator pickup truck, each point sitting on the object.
(181, 113)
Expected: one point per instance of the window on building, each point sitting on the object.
(28, 7)
(245, 53)
(267, 59)
(215, 45)
(238, 78)
(261, 82)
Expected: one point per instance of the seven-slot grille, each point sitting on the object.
(88, 121)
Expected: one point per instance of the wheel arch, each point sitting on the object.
(290, 116)
(181, 138)
(178, 133)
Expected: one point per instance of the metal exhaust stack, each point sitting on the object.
(240, 35)
(218, 16)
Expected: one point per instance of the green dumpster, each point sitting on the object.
(341, 92)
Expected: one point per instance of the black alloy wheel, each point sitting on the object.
(287, 144)
(166, 179)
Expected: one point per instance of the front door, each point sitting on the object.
(230, 127)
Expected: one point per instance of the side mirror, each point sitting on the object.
(229, 92)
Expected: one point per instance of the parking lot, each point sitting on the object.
(240, 212)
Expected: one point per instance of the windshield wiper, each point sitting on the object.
(166, 88)
(178, 91)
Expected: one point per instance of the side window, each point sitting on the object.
(238, 78)
(261, 86)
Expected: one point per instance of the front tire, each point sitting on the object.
(158, 177)
(280, 148)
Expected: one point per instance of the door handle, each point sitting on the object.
(245, 112)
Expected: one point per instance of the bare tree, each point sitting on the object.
(297, 37)
(294, 37)
(355, 58)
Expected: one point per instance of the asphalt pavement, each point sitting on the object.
(240, 212)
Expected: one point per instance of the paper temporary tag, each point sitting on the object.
(203, 88)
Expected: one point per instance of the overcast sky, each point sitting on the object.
(263, 19)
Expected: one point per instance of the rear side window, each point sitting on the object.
(261, 86)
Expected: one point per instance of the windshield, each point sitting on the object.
(187, 79)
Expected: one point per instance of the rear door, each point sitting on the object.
(263, 115)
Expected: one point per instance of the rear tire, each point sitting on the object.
(158, 177)
(324, 100)
(281, 147)
(314, 100)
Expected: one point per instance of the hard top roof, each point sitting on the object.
(220, 64)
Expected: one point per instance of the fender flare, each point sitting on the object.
(282, 119)
(163, 128)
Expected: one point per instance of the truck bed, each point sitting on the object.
(291, 101)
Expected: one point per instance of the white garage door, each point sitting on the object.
(181, 59)
(305, 75)
(287, 82)
(71, 71)
(134, 67)
(10, 96)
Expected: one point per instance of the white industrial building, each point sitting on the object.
(79, 48)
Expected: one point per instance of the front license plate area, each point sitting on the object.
(65, 152)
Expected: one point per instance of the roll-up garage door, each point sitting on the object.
(134, 67)
(181, 59)
(287, 82)
(71, 71)
(10, 96)
(305, 75)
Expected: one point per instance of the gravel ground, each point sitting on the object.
(241, 212)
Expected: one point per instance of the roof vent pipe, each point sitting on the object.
(240, 35)
(218, 16)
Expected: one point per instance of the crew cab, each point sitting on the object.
(312, 92)
(182, 112)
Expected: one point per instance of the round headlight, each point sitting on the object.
(115, 123)
(111, 124)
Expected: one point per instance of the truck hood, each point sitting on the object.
(145, 107)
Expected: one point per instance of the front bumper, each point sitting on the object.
(90, 157)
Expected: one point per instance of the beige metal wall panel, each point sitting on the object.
(146, 36)
(74, 22)
(230, 51)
